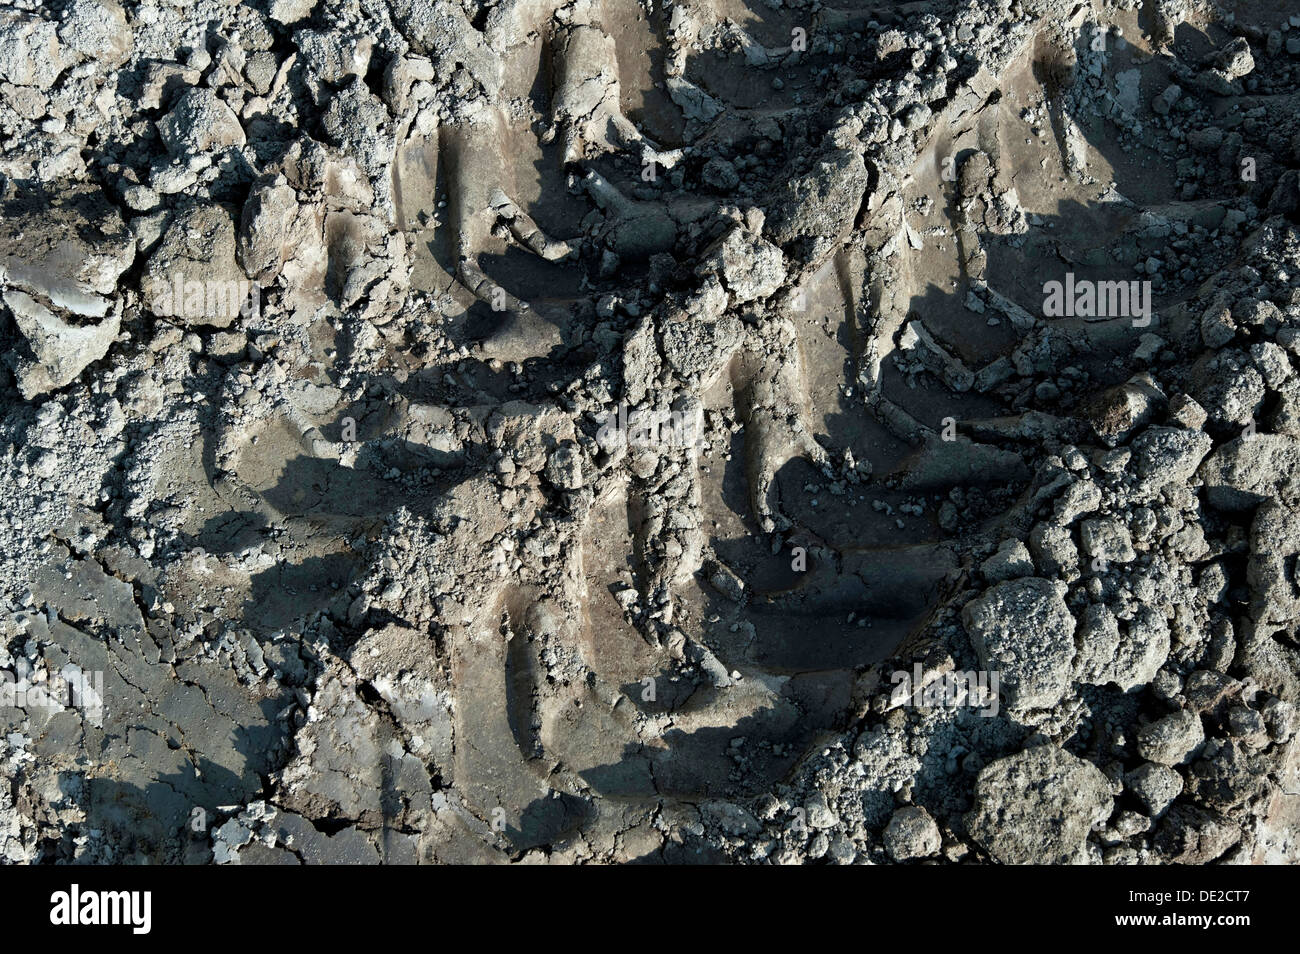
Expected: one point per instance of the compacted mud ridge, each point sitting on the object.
(606, 431)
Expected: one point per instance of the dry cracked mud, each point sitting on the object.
(593, 431)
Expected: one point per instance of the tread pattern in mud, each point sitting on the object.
(595, 432)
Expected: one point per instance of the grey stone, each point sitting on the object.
(1270, 570)
(1010, 561)
(97, 29)
(200, 122)
(70, 250)
(1106, 539)
(911, 834)
(198, 251)
(61, 350)
(1155, 786)
(1053, 549)
(749, 266)
(817, 208)
(1097, 640)
(1164, 455)
(30, 52)
(1244, 472)
(1142, 650)
(1038, 806)
(1024, 630)
(1171, 740)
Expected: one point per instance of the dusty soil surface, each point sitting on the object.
(587, 431)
